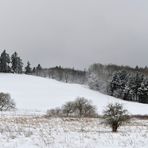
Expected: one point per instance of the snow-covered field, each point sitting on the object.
(39, 132)
(28, 128)
(39, 94)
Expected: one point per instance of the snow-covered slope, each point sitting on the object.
(36, 93)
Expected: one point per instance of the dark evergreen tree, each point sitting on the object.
(28, 69)
(20, 65)
(143, 92)
(17, 63)
(119, 84)
(114, 84)
(4, 62)
(34, 70)
(134, 84)
(38, 68)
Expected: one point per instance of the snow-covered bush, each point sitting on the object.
(6, 103)
(81, 107)
(84, 108)
(115, 116)
(97, 83)
(57, 112)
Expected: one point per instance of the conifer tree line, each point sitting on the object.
(122, 82)
(131, 87)
(13, 63)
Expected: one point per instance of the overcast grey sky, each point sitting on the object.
(76, 33)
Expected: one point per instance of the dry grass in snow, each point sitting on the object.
(39, 132)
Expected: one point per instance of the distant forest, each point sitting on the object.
(123, 82)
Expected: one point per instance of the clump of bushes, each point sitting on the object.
(81, 107)
(6, 103)
(57, 112)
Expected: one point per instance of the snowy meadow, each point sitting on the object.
(20, 131)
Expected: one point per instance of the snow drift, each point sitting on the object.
(39, 94)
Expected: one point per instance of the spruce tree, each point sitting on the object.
(143, 92)
(134, 85)
(119, 84)
(28, 68)
(34, 70)
(17, 63)
(4, 62)
(38, 68)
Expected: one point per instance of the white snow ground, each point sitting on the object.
(39, 94)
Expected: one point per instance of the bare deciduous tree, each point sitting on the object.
(68, 108)
(115, 116)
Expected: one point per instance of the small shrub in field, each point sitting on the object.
(57, 112)
(6, 103)
(84, 108)
(115, 116)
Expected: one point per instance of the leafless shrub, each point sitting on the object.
(81, 107)
(6, 103)
(57, 112)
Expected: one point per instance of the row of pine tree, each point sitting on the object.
(10, 64)
(14, 64)
(131, 87)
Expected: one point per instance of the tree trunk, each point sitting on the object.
(114, 128)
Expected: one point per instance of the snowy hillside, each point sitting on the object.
(36, 93)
